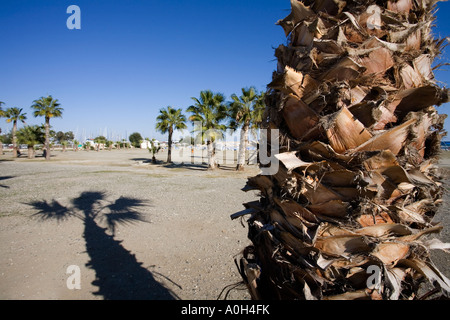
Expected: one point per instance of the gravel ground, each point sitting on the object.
(183, 248)
(177, 243)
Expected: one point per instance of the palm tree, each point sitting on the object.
(75, 145)
(100, 141)
(2, 114)
(31, 136)
(47, 107)
(153, 149)
(209, 110)
(168, 120)
(348, 209)
(109, 144)
(14, 115)
(245, 111)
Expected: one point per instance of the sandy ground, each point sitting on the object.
(179, 241)
(135, 230)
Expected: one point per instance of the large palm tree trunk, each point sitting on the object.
(349, 211)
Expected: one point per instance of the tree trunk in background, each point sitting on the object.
(242, 148)
(169, 150)
(47, 138)
(349, 212)
(212, 162)
(31, 152)
(14, 139)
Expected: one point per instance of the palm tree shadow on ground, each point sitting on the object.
(5, 178)
(119, 275)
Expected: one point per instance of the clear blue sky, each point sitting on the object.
(132, 58)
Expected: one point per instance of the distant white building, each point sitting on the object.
(95, 145)
(146, 144)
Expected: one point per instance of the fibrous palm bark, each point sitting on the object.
(349, 213)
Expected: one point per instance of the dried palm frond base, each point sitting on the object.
(349, 213)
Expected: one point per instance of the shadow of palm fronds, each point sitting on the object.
(51, 210)
(118, 273)
(124, 211)
(88, 202)
(5, 178)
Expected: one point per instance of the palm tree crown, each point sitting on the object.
(31, 135)
(15, 114)
(47, 107)
(246, 109)
(170, 119)
(210, 109)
